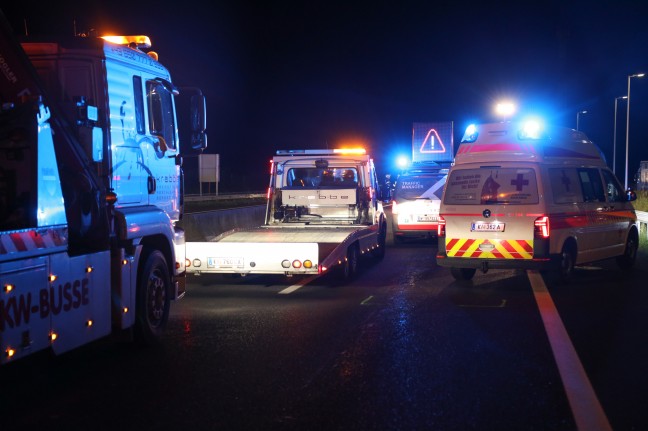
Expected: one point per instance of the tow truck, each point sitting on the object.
(90, 191)
(323, 212)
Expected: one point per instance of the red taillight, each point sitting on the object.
(541, 227)
(441, 227)
(394, 207)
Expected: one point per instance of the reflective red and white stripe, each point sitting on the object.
(33, 239)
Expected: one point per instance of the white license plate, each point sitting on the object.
(427, 218)
(224, 262)
(480, 226)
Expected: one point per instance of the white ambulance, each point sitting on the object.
(523, 196)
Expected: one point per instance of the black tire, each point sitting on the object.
(627, 260)
(463, 274)
(153, 297)
(379, 252)
(565, 271)
(349, 268)
(398, 239)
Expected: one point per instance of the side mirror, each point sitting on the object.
(198, 109)
(631, 195)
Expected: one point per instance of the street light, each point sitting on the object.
(636, 75)
(578, 117)
(616, 99)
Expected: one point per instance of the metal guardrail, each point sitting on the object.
(223, 196)
(642, 218)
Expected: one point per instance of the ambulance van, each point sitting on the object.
(522, 196)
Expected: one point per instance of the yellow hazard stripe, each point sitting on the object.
(489, 249)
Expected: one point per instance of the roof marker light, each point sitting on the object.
(349, 151)
(471, 134)
(402, 162)
(531, 129)
(139, 41)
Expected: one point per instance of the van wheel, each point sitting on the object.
(567, 263)
(463, 274)
(629, 256)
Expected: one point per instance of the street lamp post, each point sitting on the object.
(636, 75)
(578, 117)
(616, 99)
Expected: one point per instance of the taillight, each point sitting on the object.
(541, 227)
(441, 227)
(394, 207)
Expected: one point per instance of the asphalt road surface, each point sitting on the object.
(402, 347)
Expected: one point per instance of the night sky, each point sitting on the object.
(286, 75)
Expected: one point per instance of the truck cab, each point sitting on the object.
(323, 187)
(90, 191)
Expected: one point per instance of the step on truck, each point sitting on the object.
(323, 213)
(90, 191)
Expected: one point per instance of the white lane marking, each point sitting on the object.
(585, 406)
(366, 300)
(302, 283)
(502, 304)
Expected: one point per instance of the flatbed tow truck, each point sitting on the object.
(323, 212)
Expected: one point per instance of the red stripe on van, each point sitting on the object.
(496, 147)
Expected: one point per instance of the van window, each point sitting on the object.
(492, 185)
(613, 187)
(592, 185)
(565, 185)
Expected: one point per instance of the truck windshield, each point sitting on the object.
(337, 177)
(491, 185)
(424, 186)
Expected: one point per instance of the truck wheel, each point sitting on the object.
(629, 256)
(153, 297)
(350, 266)
(379, 252)
(463, 274)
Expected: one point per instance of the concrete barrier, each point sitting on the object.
(203, 226)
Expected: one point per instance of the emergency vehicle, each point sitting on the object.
(416, 199)
(525, 196)
(90, 191)
(323, 212)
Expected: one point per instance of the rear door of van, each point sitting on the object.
(490, 211)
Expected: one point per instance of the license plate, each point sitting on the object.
(427, 218)
(480, 226)
(224, 262)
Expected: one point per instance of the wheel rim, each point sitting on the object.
(156, 297)
(567, 263)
